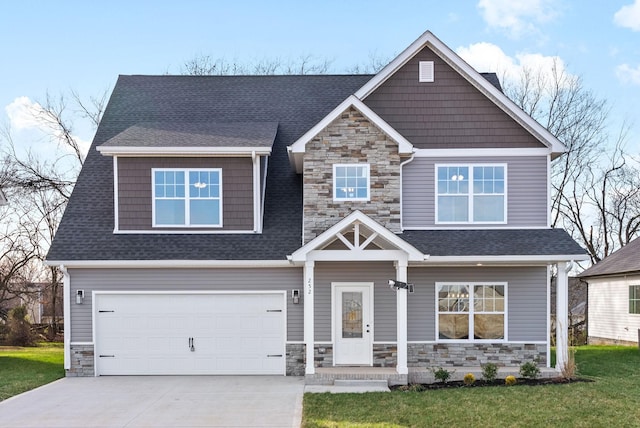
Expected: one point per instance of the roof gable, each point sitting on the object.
(472, 76)
(297, 149)
(625, 260)
(376, 238)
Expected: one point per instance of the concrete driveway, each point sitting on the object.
(159, 401)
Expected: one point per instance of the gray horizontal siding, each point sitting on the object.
(527, 198)
(182, 279)
(527, 299)
(384, 300)
(135, 193)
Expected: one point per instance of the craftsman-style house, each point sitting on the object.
(294, 224)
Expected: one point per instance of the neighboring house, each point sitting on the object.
(614, 297)
(577, 310)
(251, 225)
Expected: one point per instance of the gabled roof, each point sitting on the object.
(624, 261)
(296, 150)
(472, 76)
(148, 138)
(375, 231)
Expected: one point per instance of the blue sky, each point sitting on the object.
(55, 46)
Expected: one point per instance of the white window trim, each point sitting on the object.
(471, 195)
(471, 312)
(345, 165)
(187, 224)
(633, 314)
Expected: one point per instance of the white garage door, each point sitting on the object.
(180, 334)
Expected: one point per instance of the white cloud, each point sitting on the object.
(628, 16)
(628, 74)
(21, 113)
(487, 57)
(29, 132)
(517, 18)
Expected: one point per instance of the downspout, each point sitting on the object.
(402, 164)
(66, 288)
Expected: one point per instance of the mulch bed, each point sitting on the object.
(483, 383)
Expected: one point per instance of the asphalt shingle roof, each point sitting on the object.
(189, 103)
(208, 134)
(625, 260)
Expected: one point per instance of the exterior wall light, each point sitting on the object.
(79, 297)
(396, 285)
(295, 296)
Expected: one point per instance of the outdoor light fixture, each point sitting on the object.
(295, 296)
(79, 297)
(396, 285)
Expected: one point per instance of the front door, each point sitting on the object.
(353, 323)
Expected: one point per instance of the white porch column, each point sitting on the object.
(562, 316)
(308, 316)
(401, 323)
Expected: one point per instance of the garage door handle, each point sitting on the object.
(274, 355)
(107, 356)
(274, 310)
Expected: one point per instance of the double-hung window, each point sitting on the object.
(634, 299)
(471, 311)
(187, 197)
(351, 182)
(471, 194)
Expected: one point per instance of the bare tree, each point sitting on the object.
(206, 65)
(38, 188)
(595, 184)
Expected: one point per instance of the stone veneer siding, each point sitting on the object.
(475, 354)
(295, 359)
(323, 355)
(81, 361)
(350, 139)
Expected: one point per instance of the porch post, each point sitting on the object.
(401, 323)
(562, 318)
(308, 316)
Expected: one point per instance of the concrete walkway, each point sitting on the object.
(159, 401)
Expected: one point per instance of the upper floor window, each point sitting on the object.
(351, 182)
(471, 193)
(187, 197)
(634, 299)
(471, 311)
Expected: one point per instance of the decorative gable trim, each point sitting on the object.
(297, 149)
(357, 250)
(473, 77)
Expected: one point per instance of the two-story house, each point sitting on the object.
(294, 224)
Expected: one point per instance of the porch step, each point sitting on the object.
(362, 382)
(350, 386)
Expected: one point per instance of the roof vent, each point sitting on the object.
(426, 71)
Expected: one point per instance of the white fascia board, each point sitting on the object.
(502, 260)
(182, 151)
(300, 255)
(441, 153)
(157, 264)
(472, 76)
(298, 147)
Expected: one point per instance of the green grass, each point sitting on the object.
(613, 399)
(22, 369)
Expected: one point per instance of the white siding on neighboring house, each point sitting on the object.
(609, 316)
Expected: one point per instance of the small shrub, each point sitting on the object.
(415, 387)
(19, 329)
(510, 380)
(568, 370)
(489, 372)
(529, 370)
(441, 374)
(469, 379)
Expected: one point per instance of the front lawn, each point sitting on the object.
(22, 369)
(612, 400)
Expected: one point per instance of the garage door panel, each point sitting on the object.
(149, 333)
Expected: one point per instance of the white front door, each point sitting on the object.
(353, 323)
